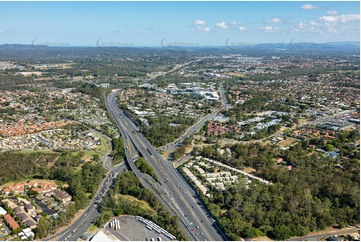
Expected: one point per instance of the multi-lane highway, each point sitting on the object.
(172, 190)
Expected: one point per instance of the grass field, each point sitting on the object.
(287, 142)
(103, 147)
(92, 228)
(38, 151)
(236, 74)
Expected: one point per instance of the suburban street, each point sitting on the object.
(174, 190)
(320, 236)
(91, 213)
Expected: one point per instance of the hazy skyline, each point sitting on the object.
(177, 23)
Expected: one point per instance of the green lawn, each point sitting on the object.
(103, 147)
(37, 151)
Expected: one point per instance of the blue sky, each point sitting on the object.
(177, 23)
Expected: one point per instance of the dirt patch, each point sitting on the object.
(248, 170)
(166, 153)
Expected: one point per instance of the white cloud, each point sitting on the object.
(332, 24)
(270, 29)
(312, 27)
(242, 29)
(309, 6)
(221, 25)
(274, 20)
(332, 13)
(233, 22)
(199, 22)
(201, 29)
(340, 18)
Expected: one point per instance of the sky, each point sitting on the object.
(126, 24)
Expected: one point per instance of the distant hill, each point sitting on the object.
(18, 51)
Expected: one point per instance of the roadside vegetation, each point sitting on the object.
(160, 133)
(316, 193)
(118, 150)
(144, 167)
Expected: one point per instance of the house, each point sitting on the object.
(2, 211)
(36, 217)
(38, 190)
(22, 200)
(17, 188)
(18, 210)
(11, 204)
(29, 208)
(332, 154)
(62, 195)
(44, 188)
(23, 216)
(28, 233)
(30, 223)
(48, 186)
(32, 183)
(18, 185)
(6, 191)
(11, 222)
(22, 236)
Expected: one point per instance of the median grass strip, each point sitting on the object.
(144, 167)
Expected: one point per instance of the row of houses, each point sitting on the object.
(40, 187)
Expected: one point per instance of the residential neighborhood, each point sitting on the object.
(23, 204)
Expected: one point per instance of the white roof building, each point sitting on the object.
(2, 211)
(101, 237)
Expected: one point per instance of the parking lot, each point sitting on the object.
(132, 229)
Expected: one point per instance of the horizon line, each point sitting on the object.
(180, 45)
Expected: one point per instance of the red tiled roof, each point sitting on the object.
(11, 222)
